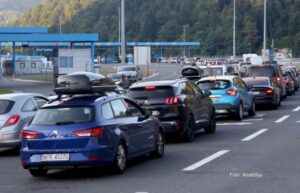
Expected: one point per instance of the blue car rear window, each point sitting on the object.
(214, 84)
(63, 116)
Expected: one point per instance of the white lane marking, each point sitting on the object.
(259, 115)
(298, 121)
(252, 120)
(296, 109)
(205, 161)
(283, 118)
(234, 124)
(250, 137)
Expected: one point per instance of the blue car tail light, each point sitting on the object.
(29, 134)
(89, 132)
(231, 92)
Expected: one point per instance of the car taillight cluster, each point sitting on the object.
(89, 132)
(231, 92)
(269, 91)
(286, 81)
(172, 100)
(12, 120)
(29, 134)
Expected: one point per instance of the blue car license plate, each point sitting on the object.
(56, 157)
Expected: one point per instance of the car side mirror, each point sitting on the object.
(207, 93)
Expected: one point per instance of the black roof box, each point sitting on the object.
(191, 71)
(84, 83)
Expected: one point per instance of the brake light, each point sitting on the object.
(172, 100)
(12, 120)
(286, 81)
(278, 80)
(29, 134)
(89, 132)
(269, 91)
(231, 92)
(150, 88)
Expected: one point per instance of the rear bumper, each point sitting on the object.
(264, 100)
(173, 127)
(78, 158)
(223, 109)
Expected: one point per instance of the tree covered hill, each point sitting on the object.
(209, 21)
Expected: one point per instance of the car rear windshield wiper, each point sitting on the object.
(65, 123)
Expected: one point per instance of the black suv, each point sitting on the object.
(180, 105)
(271, 70)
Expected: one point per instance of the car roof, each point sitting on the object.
(227, 77)
(257, 78)
(157, 83)
(81, 100)
(19, 96)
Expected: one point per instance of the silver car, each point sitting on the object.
(16, 111)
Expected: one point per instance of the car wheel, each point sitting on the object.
(189, 133)
(38, 172)
(120, 160)
(211, 128)
(252, 111)
(239, 113)
(159, 146)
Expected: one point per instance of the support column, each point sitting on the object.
(92, 57)
(14, 59)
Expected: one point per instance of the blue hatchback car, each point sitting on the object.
(230, 95)
(88, 130)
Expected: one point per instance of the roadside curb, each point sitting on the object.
(33, 81)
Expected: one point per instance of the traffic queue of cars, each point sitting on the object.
(90, 124)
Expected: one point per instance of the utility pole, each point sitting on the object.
(60, 23)
(265, 25)
(234, 29)
(184, 38)
(123, 46)
(119, 11)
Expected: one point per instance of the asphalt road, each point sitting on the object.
(259, 154)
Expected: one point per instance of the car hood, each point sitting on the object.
(128, 73)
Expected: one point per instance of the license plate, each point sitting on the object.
(155, 113)
(256, 93)
(56, 157)
(215, 99)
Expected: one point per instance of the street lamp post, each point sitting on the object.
(119, 12)
(60, 23)
(265, 25)
(184, 37)
(234, 35)
(249, 47)
(123, 45)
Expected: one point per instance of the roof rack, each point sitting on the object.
(84, 83)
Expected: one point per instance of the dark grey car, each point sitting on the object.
(16, 111)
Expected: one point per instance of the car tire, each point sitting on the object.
(211, 128)
(38, 172)
(252, 111)
(120, 160)
(159, 146)
(189, 133)
(239, 113)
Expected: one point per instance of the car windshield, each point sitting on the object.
(268, 71)
(214, 84)
(63, 116)
(213, 71)
(122, 69)
(257, 82)
(5, 106)
(143, 94)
